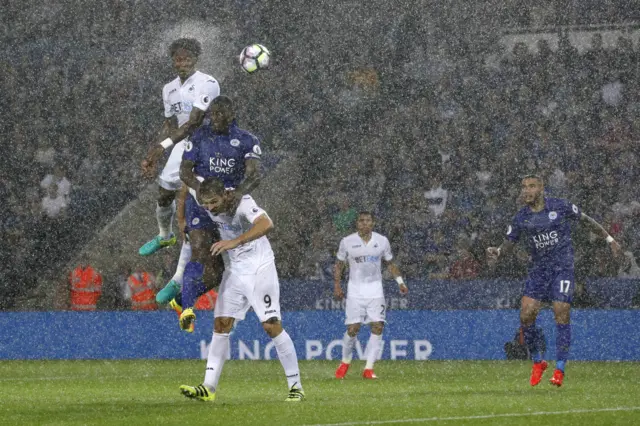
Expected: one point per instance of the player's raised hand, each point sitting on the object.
(148, 169)
(150, 162)
(403, 289)
(492, 254)
(222, 246)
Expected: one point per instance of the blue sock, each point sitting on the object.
(563, 342)
(531, 339)
(192, 286)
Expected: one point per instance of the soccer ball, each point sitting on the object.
(254, 57)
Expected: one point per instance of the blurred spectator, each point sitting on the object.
(464, 265)
(54, 204)
(142, 290)
(345, 218)
(207, 301)
(436, 196)
(85, 288)
(58, 177)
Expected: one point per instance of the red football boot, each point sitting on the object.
(537, 371)
(342, 370)
(369, 374)
(558, 377)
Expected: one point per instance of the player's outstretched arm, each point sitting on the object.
(195, 120)
(599, 230)
(261, 227)
(187, 175)
(251, 177)
(155, 152)
(395, 273)
(170, 134)
(338, 269)
(493, 253)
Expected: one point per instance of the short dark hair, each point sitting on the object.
(189, 44)
(367, 213)
(212, 186)
(533, 176)
(223, 101)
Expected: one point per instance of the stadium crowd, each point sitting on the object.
(436, 154)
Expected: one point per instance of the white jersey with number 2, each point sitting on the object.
(365, 264)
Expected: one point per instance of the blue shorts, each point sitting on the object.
(553, 284)
(196, 216)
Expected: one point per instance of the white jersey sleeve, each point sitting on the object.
(386, 253)
(342, 251)
(249, 209)
(207, 92)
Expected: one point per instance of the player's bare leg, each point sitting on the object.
(562, 312)
(529, 310)
(373, 349)
(288, 358)
(165, 211)
(348, 344)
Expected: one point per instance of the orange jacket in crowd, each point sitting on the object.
(207, 301)
(143, 296)
(86, 288)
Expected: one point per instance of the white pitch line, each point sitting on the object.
(486, 416)
(54, 378)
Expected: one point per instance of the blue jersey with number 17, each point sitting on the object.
(547, 233)
(222, 156)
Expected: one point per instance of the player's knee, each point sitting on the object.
(272, 326)
(353, 330)
(223, 324)
(377, 327)
(165, 197)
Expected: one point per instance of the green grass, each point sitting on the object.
(253, 392)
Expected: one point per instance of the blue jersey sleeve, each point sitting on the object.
(251, 145)
(514, 230)
(192, 148)
(571, 211)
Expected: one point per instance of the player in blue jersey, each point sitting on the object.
(545, 225)
(224, 151)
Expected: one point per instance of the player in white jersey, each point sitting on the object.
(250, 281)
(186, 99)
(365, 251)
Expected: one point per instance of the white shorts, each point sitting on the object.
(260, 291)
(365, 311)
(170, 177)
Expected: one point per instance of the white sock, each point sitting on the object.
(373, 348)
(164, 215)
(185, 257)
(215, 360)
(288, 358)
(348, 343)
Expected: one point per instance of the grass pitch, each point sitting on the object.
(253, 393)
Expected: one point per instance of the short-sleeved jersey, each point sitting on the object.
(547, 233)
(221, 156)
(246, 258)
(365, 264)
(197, 92)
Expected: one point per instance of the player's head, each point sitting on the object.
(222, 113)
(184, 53)
(532, 189)
(365, 222)
(213, 196)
